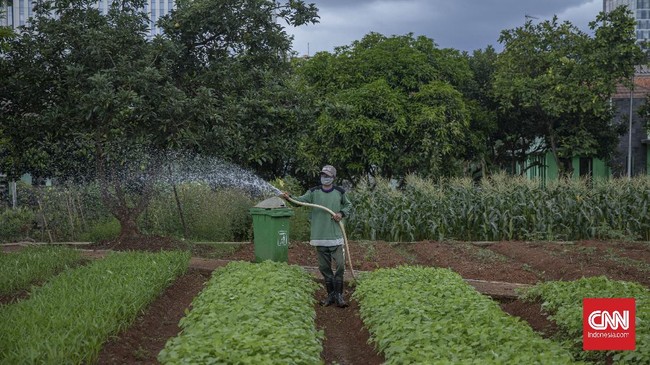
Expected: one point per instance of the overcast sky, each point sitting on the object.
(465, 25)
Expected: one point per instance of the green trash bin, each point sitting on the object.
(271, 230)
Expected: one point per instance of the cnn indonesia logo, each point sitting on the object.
(608, 324)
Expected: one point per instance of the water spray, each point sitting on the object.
(341, 226)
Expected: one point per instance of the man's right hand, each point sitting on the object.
(284, 195)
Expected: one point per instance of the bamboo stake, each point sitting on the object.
(70, 217)
(40, 206)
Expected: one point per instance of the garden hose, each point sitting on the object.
(345, 237)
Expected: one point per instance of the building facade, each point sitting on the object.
(633, 147)
(633, 153)
(640, 11)
(16, 13)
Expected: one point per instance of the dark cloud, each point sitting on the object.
(462, 24)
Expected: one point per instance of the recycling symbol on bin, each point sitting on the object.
(283, 238)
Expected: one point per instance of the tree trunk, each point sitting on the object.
(116, 197)
(186, 234)
(129, 228)
(558, 161)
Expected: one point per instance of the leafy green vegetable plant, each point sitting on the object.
(562, 300)
(67, 320)
(419, 315)
(21, 269)
(250, 314)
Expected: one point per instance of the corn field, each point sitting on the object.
(501, 208)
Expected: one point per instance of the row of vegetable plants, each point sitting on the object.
(501, 208)
(562, 301)
(31, 265)
(418, 315)
(250, 314)
(67, 320)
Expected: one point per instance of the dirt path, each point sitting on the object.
(346, 339)
(471, 262)
(143, 340)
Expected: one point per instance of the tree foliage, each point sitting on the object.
(555, 81)
(388, 106)
(88, 95)
(239, 50)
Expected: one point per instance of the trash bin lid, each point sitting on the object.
(271, 203)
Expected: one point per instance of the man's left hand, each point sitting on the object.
(337, 217)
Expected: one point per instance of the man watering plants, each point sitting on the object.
(326, 234)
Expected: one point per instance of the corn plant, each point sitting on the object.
(33, 264)
(67, 320)
(501, 208)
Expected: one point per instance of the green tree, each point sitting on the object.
(239, 50)
(88, 95)
(480, 153)
(555, 82)
(388, 106)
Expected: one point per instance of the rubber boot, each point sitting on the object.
(329, 285)
(338, 293)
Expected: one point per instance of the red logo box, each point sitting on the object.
(608, 324)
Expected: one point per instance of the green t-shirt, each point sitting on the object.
(323, 227)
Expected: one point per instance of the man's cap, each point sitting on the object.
(328, 170)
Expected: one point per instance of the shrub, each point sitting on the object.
(16, 224)
(100, 231)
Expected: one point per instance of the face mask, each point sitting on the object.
(326, 180)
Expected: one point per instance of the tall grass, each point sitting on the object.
(210, 215)
(76, 213)
(501, 208)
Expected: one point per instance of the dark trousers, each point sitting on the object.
(325, 256)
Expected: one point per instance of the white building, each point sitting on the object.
(640, 11)
(17, 12)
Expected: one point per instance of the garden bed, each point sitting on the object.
(345, 336)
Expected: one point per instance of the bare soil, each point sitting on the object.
(346, 339)
(553, 261)
(141, 343)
